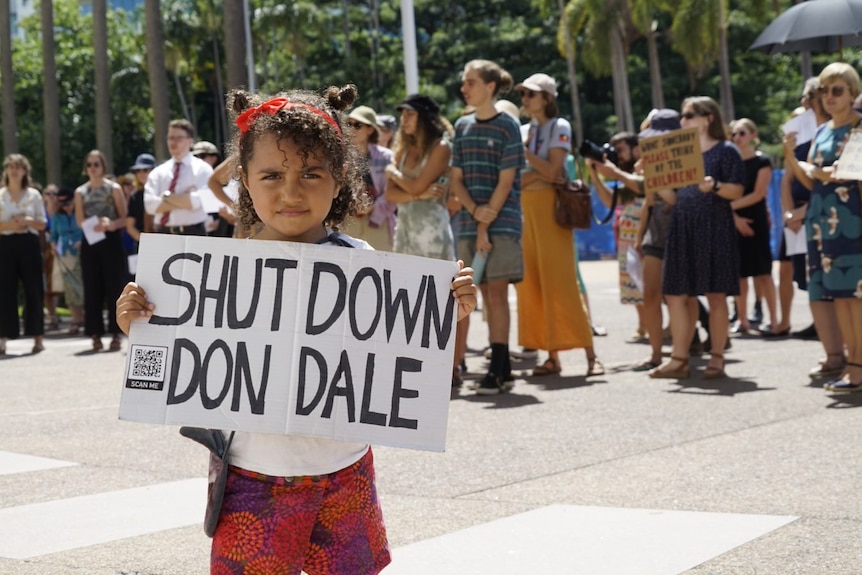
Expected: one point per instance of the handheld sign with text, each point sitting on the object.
(292, 338)
(850, 161)
(672, 160)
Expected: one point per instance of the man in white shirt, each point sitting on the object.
(173, 190)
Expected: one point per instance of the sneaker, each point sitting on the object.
(492, 385)
(756, 317)
(525, 353)
(598, 330)
(841, 386)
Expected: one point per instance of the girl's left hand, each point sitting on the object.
(464, 291)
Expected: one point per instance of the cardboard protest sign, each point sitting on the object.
(850, 161)
(672, 160)
(291, 338)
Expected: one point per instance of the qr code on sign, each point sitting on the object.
(148, 363)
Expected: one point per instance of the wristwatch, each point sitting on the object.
(715, 186)
(788, 216)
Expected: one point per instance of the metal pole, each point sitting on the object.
(408, 32)
(249, 52)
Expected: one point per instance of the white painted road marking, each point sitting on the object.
(41, 528)
(574, 540)
(19, 463)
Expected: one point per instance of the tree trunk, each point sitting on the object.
(104, 132)
(7, 82)
(345, 9)
(726, 91)
(573, 78)
(50, 97)
(158, 77)
(220, 91)
(181, 96)
(234, 41)
(622, 99)
(655, 69)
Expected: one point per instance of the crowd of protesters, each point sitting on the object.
(484, 188)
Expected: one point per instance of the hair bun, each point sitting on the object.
(341, 98)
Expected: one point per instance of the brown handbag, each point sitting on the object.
(573, 209)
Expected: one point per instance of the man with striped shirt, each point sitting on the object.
(487, 156)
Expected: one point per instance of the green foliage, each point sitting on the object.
(303, 45)
(73, 34)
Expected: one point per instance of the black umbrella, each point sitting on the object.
(813, 26)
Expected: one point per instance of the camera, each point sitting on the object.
(595, 152)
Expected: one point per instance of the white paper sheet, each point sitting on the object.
(634, 266)
(90, 234)
(795, 242)
(805, 126)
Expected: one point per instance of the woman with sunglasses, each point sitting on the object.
(701, 255)
(375, 225)
(22, 219)
(551, 312)
(752, 222)
(103, 262)
(832, 222)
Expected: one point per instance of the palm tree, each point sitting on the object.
(569, 51)
(158, 77)
(50, 96)
(604, 50)
(7, 81)
(643, 16)
(103, 83)
(700, 35)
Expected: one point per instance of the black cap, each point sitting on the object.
(660, 122)
(65, 195)
(425, 105)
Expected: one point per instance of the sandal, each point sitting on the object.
(646, 365)
(97, 343)
(842, 386)
(74, 328)
(595, 367)
(682, 372)
(37, 348)
(712, 372)
(116, 343)
(826, 370)
(550, 367)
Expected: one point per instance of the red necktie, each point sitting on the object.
(166, 215)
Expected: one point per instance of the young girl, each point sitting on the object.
(298, 503)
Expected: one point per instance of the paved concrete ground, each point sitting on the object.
(617, 474)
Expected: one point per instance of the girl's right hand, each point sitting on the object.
(131, 305)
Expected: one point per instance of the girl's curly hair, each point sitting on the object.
(313, 135)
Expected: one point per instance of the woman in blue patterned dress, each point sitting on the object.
(833, 222)
(701, 255)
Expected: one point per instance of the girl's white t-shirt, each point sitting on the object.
(293, 455)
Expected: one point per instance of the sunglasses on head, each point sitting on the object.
(94, 164)
(836, 91)
(690, 115)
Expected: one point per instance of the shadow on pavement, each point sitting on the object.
(844, 400)
(725, 387)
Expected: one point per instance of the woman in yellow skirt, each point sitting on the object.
(551, 312)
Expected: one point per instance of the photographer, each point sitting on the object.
(617, 161)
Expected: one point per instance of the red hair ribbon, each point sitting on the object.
(271, 107)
